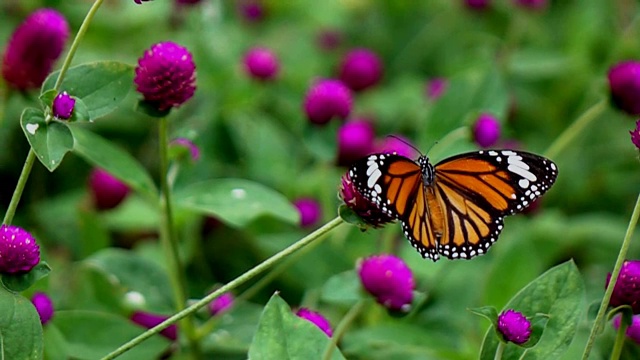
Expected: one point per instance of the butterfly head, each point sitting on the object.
(428, 172)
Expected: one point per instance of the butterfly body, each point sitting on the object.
(455, 208)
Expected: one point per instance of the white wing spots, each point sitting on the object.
(523, 183)
(373, 172)
(508, 153)
(377, 189)
(492, 153)
(517, 166)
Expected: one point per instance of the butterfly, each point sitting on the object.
(457, 207)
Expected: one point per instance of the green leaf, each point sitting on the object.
(236, 201)
(349, 216)
(558, 293)
(20, 329)
(102, 153)
(100, 85)
(50, 141)
(488, 312)
(21, 282)
(282, 335)
(55, 347)
(343, 288)
(92, 335)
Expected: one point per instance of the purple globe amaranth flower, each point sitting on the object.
(355, 140)
(43, 305)
(221, 304)
(365, 209)
(165, 75)
(329, 39)
(396, 144)
(486, 130)
(33, 48)
(107, 190)
(327, 99)
(251, 10)
(436, 87)
(360, 69)
(149, 320)
(261, 63)
(188, 145)
(635, 135)
(514, 327)
(310, 211)
(63, 105)
(627, 288)
(531, 4)
(624, 84)
(317, 319)
(389, 280)
(633, 331)
(19, 252)
(477, 4)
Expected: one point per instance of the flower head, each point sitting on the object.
(365, 209)
(107, 191)
(310, 211)
(33, 48)
(329, 39)
(43, 305)
(627, 288)
(389, 280)
(63, 105)
(635, 135)
(221, 304)
(19, 252)
(396, 144)
(633, 331)
(165, 75)
(317, 319)
(624, 84)
(149, 320)
(360, 69)
(477, 4)
(355, 140)
(261, 63)
(531, 4)
(514, 326)
(188, 145)
(486, 130)
(251, 10)
(327, 99)
(436, 87)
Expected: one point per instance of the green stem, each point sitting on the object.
(76, 42)
(342, 327)
(595, 329)
(229, 286)
(620, 337)
(17, 193)
(574, 129)
(499, 351)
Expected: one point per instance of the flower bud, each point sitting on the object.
(221, 304)
(261, 63)
(389, 280)
(317, 319)
(189, 146)
(486, 130)
(360, 69)
(327, 99)
(310, 211)
(63, 105)
(19, 252)
(107, 191)
(43, 305)
(514, 327)
(149, 321)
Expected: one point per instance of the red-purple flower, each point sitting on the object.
(19, 252)
(261, 63)
(396, 144)
(355, 140)
(633, 331)
(107, 190)
(486, 130)
(365, 209)
(310, 211)
(389, 280)
(624, 84)
(477, 4)
(317, 319)
(165, 75)
(627, 288)
(514, 327)
(149, 321)
(436, 87)
(33, 48)
(329, 39)
(188, 146)
(63, 105)
(360, 69)
(635, 135)
(251, 10)
(43, 305)
(221, 304)
(327, 99)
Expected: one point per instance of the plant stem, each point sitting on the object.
(576, 128)
(342, 327)
(17, 193)
(595, 329)
(620, 337)
(499, 351)
(229, 286)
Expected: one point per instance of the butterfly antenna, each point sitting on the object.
(406, 143)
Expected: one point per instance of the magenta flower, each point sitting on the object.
(635, 135)
(477, 4)
(624, 84)
(389, 280)
(251, 10)
(221, 304)
(633, 331)
(19, 252)
(43, 305)
(107, 191)
(396, 144)
(329, 39)
(165, 75)
(63, 105)
(310, 211)
(360, 69)
(317, 319)
(189, 146)
(486, 130)
(148, 320)
(436, 87)
(531, 4)
(355, 140)
(627, 288)
(365, 209)
(514, 327)
(33, 48)
(261, 63)
(327, 99)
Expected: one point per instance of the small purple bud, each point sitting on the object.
(627, 288)
(310, 211)
(478, 5)
(188, 145)
(165, 75)
(360, 69)
(389, 280)
(329, 39)
(514, 327)
(33, 48)
(436, 87)
(486, 130)
(624, 84)
(148, 320)
(327, 99)
(63, 105)
(43, 305)
(317, 319)
(633, 331)
(19, 252)
(221, 304)
(364, 208)
(531, 4)
(396, 144)
(635, 135)
(251, 10)
(355, 140)
(107, 191)
(261, 63)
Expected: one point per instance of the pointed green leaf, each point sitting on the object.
(20, 329)
(21, 282)
(50, 141)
